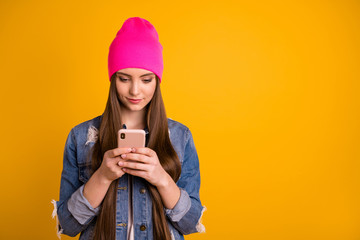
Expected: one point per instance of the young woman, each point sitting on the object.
(108, 192)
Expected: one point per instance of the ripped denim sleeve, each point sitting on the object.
(58, 228)
(199, 226)
(181, 209)
(186, 216)
(80, 208)
(73, 212)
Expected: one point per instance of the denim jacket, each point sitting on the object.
(75, 215)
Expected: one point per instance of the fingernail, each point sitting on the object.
(133, 149)
(120, 163)
(123, 155)
(129, 149)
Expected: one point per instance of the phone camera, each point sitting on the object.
(122, 135)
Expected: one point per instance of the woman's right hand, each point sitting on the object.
(109, 169)
(95, 189)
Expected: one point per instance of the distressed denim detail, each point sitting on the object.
(181, 207)
(172, 235)
(80, 208)
(58, 228)
(199, 226)
(92, 135)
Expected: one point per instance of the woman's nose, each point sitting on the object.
(134, 88)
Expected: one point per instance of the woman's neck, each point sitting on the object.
(133, 120)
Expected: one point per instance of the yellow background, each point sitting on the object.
(269, 89)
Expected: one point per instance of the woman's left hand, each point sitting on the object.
(144, 162)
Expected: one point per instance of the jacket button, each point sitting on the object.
(142, 228)
(142, 190)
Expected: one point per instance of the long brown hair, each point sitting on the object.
(159, 141)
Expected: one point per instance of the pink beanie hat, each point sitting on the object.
(136, 45)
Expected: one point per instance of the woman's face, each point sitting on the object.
(135, 87)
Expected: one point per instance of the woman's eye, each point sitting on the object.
(123, 79)
(147, 80)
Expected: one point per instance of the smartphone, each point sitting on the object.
(131, 138)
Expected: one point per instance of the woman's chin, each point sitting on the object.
(135, 108)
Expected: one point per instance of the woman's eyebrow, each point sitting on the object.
(130, 75)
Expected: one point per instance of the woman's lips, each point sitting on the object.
(134, 100)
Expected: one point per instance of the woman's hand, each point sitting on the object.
(144, 162)
(109, 169)
(95, 189)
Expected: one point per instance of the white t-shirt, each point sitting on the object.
(130, 229)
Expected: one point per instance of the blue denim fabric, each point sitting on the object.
(76, 215)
